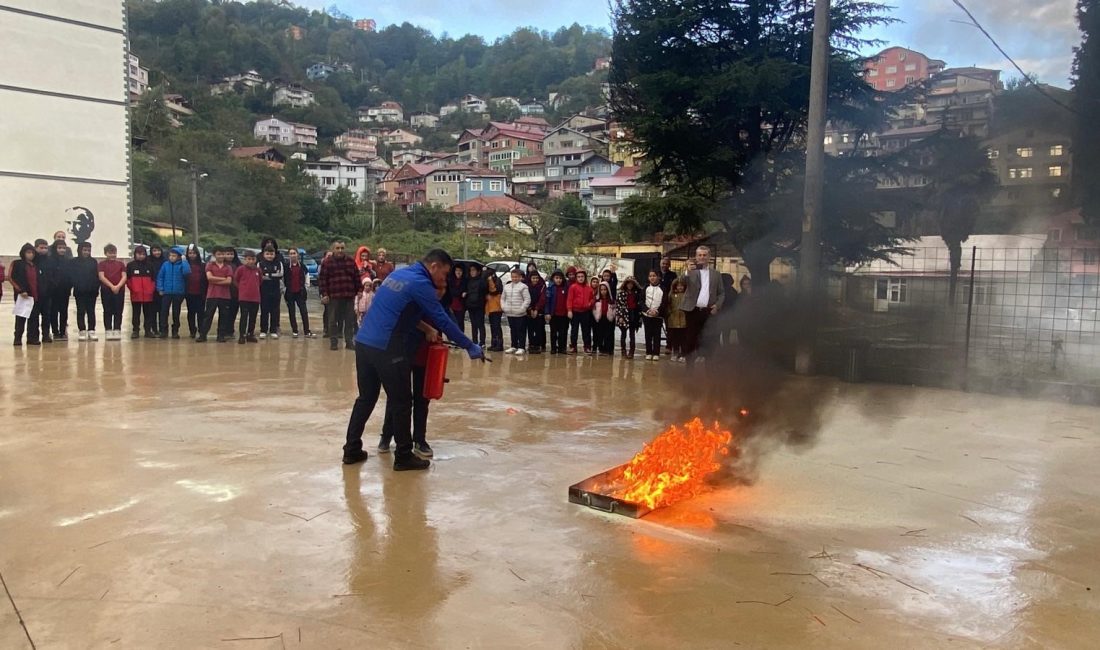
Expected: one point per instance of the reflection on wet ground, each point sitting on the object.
(167, 495)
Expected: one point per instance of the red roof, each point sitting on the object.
(529, 160)
(506, 204)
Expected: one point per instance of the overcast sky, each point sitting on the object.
(1039, 34)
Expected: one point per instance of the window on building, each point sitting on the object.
(1092, 257)
(898, 290)
(910, 79)
(1025, 152)
(893, 69)
(1054, 234)
(496, 186)
(330, 180)
(1020, 172)
(890, 83)
(442, 191)
(1054, 170)
(910, 67)
(475, 186)
(828, 140)
(873, 72)
(845, 138)
(983, 294)
(353, 182)
(993, 154)
(1057, 150)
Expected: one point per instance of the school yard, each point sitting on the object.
(159, 494)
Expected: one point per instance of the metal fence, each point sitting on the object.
(1021, 317)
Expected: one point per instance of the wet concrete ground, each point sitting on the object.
(170, 495)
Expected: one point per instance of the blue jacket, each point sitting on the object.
(405, 298)
(172, 279)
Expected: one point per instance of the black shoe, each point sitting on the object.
(240, 341)
(60, 337)
(353, 457)
(135, 335)
(164, 335)
(18, 344)
(410, 463)
(175, 336)
(34, 343)
(422, 450)
(383, 445)
(334, 345)
(199, 338)
(222, 339)
(47, 339)
(252, 339)
(349, 345)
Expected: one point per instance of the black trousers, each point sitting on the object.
(341, 314)
(624, 334)
(29, 325)
(147, 309)
(419, 411)
(496, 331)
(221, 307)
(536, 332)
(113, 304)
(696, 321)
(45, 315)
(158, 308)
(59, 311)
(172, 303)
(297, 300)
(582, 322)
(270, 312)
(517, 326)
(196, 310)
(376, 370)
(477, 326)
(652, 335)
(604, 336)
(459, 316)
(559, 333)
(85, 310)
(248, 318)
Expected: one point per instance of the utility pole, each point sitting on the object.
(810, 270)
(195, 206)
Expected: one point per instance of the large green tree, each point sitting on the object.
(1086, 86)
(717, 94)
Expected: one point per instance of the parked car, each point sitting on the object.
(311, 266)
(503, 269)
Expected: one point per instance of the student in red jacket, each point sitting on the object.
(142, 284)
(248, 279)
(581, 298)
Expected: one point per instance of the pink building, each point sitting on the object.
(896, 67)
(366, 25)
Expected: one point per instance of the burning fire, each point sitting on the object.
(673, 466)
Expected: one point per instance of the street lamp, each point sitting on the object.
(195, 177)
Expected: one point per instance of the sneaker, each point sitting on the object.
(263, 335)
(572, 349)
(60, 337)
(135, 335)
(422, 450)
(383, 445)
(274, 335)
(294, 334)
(520, 352)
(221, 339)
(175, 336)
(334, 345)
(199, 338)
(251, 339)
(34, 342)
(310, 335)
(164, 335)
(240, 341)
(410, 462)
(47, 339)
(82, 336)
(348, 345)
(510, 351)
(354, 457)
(92, 336)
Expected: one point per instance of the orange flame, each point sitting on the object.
(674, 466)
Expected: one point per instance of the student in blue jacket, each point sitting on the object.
(172, 288)
(385, 348)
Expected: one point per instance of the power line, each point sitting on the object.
(1027, 79)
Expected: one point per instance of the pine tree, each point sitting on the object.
(1086, 86)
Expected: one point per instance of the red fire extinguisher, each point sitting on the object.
(435, 370)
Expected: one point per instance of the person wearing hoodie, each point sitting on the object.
(651, 316)
(363, 263)
(49, 274)
(557, 310)
(156, 260)
(295, 283)
(629, 304)
(603, 317)
(60, 258)
(532, 270)
(475, 304)
(536, 325)
(273, 271)
(24, 282)
(84, 276)
(493, 290)
(196, 289)
(580, 299)
(456, 296)
(515, 301)
(172, 287)
(141, 283)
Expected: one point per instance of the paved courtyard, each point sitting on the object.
(162, 494)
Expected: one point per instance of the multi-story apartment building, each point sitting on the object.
(385, 113)
(962, 99)
(293, 95)
(333, 172)
(249, 80)
(564, 137)
(357, 144)
(473, 104)
(401, 138)
(366, 25)
(609, 193)
(424, 120)
(287, 133)
(529, 175)
(137, 76)
(455, 184)
(305, 135)
(571, 171)
(897, 67)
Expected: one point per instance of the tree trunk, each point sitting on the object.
(954, 249)
(759, 268)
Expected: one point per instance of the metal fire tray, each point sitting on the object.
(589, 492)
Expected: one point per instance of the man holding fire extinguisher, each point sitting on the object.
(385, 347)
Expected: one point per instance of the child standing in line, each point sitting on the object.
(515, 302)
(628, 313)
(156, 261)
(456, 294)
(581, 298)
(493, 290)
(475, 304)
(272, 271)
(84, 275)
(557, 310)
(365, 298)
(536, 327)
(219, 279)
(676, 321)
(196, 290)
(112, 275)
(24, 281)
(295, 293)
(248, 278)
(603, 316)
(172, 287)
(142, 285)
(651, 319)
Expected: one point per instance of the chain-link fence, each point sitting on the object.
(1011, 317)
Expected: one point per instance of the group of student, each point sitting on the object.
(581, 312)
